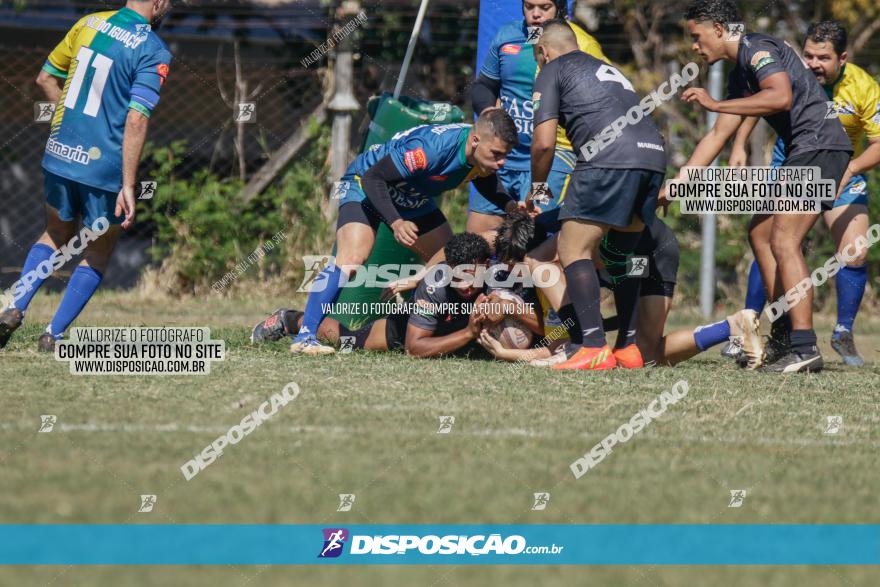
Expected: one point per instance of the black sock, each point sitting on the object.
(803, 340)
(570, 321)
(781, 329)
(583, 291)
(616, 250)
(626, 298)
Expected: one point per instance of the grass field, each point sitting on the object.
(367, 424)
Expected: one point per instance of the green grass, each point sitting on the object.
(366, 424)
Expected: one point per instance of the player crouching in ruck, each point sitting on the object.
(436, 326)
(397, 183)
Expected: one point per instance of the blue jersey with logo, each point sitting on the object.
(431, 158)
(111, 62)
(511, 60)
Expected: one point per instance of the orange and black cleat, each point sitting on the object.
(590, 359)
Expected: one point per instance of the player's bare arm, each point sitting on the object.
(51, 85)
(739, 152)
(775, 96)
(423, 344)
(132, 146)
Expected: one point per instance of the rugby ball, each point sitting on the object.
(512, 334)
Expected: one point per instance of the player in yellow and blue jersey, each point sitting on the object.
(105, 77)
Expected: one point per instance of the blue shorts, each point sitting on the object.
(856, 191)
(348, 190)
(72, 199)
(519, 183)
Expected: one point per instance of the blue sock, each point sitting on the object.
(80, 288)
(325, 291)
(711, 334)
(850, 283)
(756, 297)
(38, 253)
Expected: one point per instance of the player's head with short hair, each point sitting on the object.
(557, 39)
(158, 9)
(709, 23)
(513, 237)
(466, 249)
(825, 49)
(537, 12)
(493, 138)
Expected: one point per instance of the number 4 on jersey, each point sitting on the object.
(606, 73)
(102, 66)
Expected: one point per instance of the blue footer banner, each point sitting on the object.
(737, 544)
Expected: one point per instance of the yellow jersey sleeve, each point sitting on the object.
(589, 45)
(59, 59)
(870, 114)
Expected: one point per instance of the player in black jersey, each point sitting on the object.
(620, 163)
(770, 80)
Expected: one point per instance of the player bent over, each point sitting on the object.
(611, 187)
(397, 183)
(770, 80)
(95, 142)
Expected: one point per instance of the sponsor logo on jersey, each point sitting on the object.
(439, 177)
(876, 119)
(131, 39)
(843, 109)
(511, 49)
(162, 69)
(536, 100)
(68, 153)
(415, 159)
(761, 59)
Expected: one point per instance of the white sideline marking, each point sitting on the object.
(494, 432)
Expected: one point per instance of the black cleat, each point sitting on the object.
(46, 344)
(807, 361)
(281, 323)
(10, 320)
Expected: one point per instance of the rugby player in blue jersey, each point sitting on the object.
(506, 78)
(397, 183)
(105, 77)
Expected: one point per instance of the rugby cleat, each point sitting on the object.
(629, 357)
(10, 320)
(590, 359)
(307, 344)
(792, 361)
(272, 328)
(733, 349)
(842, 342)
(751, 343)
(46, 343)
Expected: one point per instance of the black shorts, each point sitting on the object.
(395, 331)
(831, 163)
(364, 213)
(659, 244)
(612, 196)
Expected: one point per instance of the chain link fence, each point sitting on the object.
(197, 110)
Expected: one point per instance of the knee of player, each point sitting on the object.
(782, 245)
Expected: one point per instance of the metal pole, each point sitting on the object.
(414, 37)
(707, 257)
